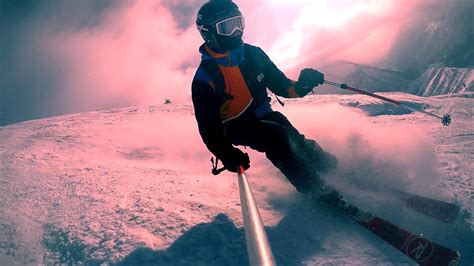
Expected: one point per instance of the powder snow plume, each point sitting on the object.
(398, 156)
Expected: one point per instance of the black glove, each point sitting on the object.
(236, 158)
(309, 78)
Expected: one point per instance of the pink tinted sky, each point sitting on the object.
(140, 55)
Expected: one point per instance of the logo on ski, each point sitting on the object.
(419, 249)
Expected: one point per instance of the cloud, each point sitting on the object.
(31, 72)
(69, 57)
(183, 11)
(140, 56)
(359, 31)
(147, 51)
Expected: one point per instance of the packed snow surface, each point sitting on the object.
(133, 185)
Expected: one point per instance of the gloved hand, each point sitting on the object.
(308, 79)
(236, 158)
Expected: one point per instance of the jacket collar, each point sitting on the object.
(227, 59)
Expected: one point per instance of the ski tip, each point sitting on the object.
(455, 261)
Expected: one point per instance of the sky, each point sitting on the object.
(59, 57)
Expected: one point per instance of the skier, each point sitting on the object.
(232, 107)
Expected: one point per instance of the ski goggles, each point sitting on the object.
(229, 26)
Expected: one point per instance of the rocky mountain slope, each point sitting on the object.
(434, 81)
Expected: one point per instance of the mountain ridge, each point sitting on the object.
(436, 80)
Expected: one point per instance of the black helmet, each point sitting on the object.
(221, 25)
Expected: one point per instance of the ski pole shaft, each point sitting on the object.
(445, 120)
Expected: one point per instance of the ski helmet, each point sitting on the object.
(221, 25)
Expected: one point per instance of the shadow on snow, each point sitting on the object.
(295, 239)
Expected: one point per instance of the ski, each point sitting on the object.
(440, 210)
(443, 211)
(418, 248)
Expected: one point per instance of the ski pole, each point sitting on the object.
(445, 120)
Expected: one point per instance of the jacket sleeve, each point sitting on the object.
(278, 83)
(206, 109)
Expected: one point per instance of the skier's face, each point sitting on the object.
(228, 43)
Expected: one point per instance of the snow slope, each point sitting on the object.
(443, 80)
(133, 185)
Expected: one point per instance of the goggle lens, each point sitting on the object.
(228, 27)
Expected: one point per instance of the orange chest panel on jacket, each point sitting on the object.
(236, 87)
